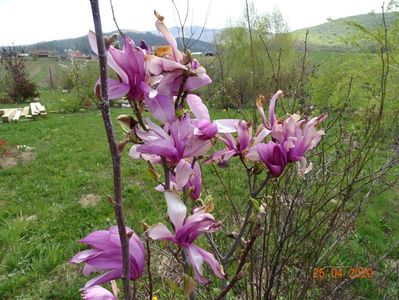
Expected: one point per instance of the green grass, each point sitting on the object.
(71, 160)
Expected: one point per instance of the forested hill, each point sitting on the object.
(337, 34)
(82, 43)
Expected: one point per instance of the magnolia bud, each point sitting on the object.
(109, 40)
(232, 235)
(158, 16)
(153, 172)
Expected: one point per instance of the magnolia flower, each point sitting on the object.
(194, 77)
(295, 137)
(174, 142)
(186, 231)
(133, 66)
(244, 145)
(107, 255)
(273, 156)
(205, 128)
(97, 292)
(298, 137)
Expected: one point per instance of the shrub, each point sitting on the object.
(18, 86)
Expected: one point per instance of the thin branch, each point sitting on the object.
(113, 16)
(116, 166)
(239, 273)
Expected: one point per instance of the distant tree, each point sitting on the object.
(17, 83)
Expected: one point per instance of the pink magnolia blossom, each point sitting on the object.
(296, 137)
(273, 156)
(106, 255)
(186, 231)
(196, 74)
(244, 145)
(133, 66)
(205, 128)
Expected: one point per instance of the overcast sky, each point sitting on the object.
(31, 21)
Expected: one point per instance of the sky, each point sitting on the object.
(30, 21)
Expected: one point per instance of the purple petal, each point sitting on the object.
(183, 173)
(136, 251)
(160, 232)
(157, 65)
(197, 147)
(145, 46)
(196, 260)
(170, 84)
(176, 209)
(244, 134)
(272, 107)
(196, 182)
(221, 156)
(252, 154)
(97, 292)
(162, 108)
(133, 153)
(259, 105)
(227, 125)
(274, 156)
(261, 135)
(114, 235)
(98, 239)
(160, 147)
(205, 129)
(117, 89)
(197, 81)
(110, 59)
(106, 260)
(211, 261)
(198, 108)
(84, 255)
(87, 270)
(160, 25)
(108, 276)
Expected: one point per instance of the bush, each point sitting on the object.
(17, 83)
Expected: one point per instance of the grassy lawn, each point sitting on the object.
(44, 209)
(41, 217)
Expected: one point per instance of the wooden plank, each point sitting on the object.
(5, 111)
(33, 110)
(40, 107)
(7, 116)
(25, 111)
(17, 115)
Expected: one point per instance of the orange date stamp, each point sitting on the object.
(342, 273)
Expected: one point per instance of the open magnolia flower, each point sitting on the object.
(179, 138)
(244, 145)
(106, 255)
(186, 231)
(133, 66)
(194, 77)
(293, 138)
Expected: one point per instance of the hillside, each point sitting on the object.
(82, 43)
(336, 34)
